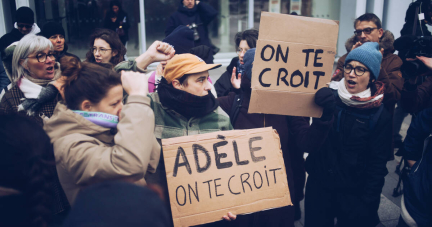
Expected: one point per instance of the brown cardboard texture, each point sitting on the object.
(238, 171)
(294, 58)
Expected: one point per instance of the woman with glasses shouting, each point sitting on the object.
(34, 71)
(106, 48)
(348, 146)
(35, 91)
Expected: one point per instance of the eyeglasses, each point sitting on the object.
(42, 57)
(240, 50)
(24, 25)
(102, 51)
(367, 31)
(358, 71)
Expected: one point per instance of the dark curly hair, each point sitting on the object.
(27, 165)
(113, 40)
(250, 35)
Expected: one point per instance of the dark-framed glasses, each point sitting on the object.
(42, 57)
(358, 71)
(101, 50)
(24, 25)
(367, 31)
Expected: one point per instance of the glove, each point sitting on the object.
(325, 98)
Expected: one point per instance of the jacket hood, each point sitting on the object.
(189, 12)
(65, 122)
(232, 64)
(385, 42)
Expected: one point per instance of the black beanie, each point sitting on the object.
(182, 39)
(24, 15)
(116, 203)
(52, 28)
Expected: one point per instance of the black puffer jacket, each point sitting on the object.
(202, 14)
(350, 155)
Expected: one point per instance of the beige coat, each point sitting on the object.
(87, 153)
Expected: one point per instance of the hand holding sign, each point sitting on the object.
(292, 64)
(220, 174)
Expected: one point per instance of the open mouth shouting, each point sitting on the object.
(50, 70)
(351, 84)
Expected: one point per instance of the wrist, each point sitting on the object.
(143, 61)
(140, 93)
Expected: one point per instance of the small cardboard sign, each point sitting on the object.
(238, 171)
(294, 58)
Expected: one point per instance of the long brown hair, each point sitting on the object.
(86, 81)
(113, 40)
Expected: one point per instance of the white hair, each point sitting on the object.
(29, 44)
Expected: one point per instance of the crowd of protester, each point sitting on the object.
(81, 140)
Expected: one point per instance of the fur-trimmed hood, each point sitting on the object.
(385, 42)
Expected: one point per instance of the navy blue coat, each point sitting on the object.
(202, 14)
(418, 186)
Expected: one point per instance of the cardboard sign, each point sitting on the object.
(294, 58)
(209, 175)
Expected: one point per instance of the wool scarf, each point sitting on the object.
(37, 92)
(102, 119)
(184, 103)
(362, 100)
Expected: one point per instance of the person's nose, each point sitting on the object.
(207, 86)
(363, 35)
(120, 109)
(58, 39)
(97, 53)
(49, 59)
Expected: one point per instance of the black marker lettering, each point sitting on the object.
(318, 74)
(307, 51)
(195, 148)
(229, 187)
(219, 164)
(306, 82)
(317, 64)
(208, 182)
(296, 73)
(191, 189)
(245, 181)
(216, 186)
(279, 53)
(284, 77)
(184, 192)
(253, 149)
(237, 156)
(255, 180)
(274, 173)
(185, 162)
(261, 75)
(268, 183)
(263, 50)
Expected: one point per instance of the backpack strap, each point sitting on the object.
(235, 109)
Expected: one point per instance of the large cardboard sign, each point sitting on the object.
(209, 175)
(294, 58)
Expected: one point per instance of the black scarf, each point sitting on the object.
(184, 103)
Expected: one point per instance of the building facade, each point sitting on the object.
(81, 17)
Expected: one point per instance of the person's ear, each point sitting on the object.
(177, 85)
(114, 53)
(86, 105)
(21, 62)
(380, 32)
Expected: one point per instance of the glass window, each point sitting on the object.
(81, 17)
